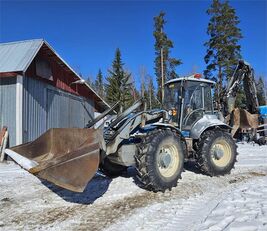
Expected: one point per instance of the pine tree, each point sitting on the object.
(136, 95)
(147, 88)
(152, 101)
(99, 85)
(240, 101)
(261, 94)
(91, 82)
(143, 79)
(130, 93)
(119, 87)
(223, 49)
(163, 42)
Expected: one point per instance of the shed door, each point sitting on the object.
(65, 110)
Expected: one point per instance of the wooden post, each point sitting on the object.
(3, 143)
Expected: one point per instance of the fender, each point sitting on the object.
(159, 124)
(204, 123)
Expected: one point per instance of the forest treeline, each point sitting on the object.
(223, 50)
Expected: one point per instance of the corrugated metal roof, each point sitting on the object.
(16, 56)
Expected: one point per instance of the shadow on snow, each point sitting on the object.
(94, 189)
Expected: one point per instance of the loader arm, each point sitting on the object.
(114, 138)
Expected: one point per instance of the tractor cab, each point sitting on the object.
(188, 99)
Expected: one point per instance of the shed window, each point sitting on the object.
(43, 69)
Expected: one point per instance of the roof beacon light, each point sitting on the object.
(197, 76)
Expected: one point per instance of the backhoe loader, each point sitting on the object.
(155, 142)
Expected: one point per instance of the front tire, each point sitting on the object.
(160, 160)
(216, 153)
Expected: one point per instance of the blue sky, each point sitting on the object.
(86, 33)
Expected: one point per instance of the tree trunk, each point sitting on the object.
(219, 88)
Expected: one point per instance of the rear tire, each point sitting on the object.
(216, 153)
(111, 169)
(160, 160)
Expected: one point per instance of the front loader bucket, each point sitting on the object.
(67, 157)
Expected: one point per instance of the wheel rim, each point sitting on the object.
(168, 160)
(221, 153)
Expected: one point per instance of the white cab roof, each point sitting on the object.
(190, 78)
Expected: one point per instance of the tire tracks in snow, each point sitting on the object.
(104, 216)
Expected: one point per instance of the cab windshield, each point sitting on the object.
(171, 95)
(196, 101)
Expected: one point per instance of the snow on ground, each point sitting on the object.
(234, 202)
(241, 208)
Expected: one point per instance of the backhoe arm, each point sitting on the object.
(243, 73)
